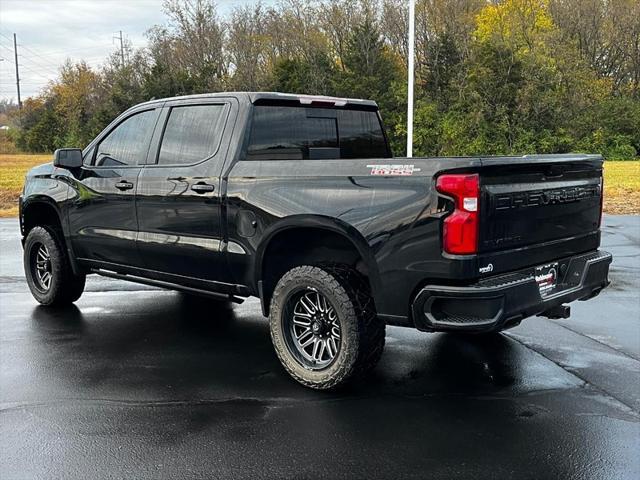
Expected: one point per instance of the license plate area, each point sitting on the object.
(547, 278)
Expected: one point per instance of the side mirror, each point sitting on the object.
(67, 158)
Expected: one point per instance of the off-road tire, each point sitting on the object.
(362, 332)
(65, 287)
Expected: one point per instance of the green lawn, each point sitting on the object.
(13, 168)
(622, 187)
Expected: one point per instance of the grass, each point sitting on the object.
(622, 187)
(13, 168)
(621, 183)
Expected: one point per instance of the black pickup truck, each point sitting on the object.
(297, 200)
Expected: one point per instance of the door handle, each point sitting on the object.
(124, 185)
(202, 187)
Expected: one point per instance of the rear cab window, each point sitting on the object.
(312, 133)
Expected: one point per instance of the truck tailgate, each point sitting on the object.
(539, 207)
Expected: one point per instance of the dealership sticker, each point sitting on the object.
(392, 169)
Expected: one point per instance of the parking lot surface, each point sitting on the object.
(135, 382)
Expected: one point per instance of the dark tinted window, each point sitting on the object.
(128, 143)
(361, 135)
(281, 132)
(192, 134)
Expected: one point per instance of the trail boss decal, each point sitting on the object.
(392, 169)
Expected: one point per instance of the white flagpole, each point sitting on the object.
(412, 12)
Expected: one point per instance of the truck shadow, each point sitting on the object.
(452, 363)
(173, 346)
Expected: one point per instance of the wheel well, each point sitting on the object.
(43, 215)
(305, 246)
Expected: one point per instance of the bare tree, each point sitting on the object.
(248, 48)
(395, 25)
(607, 34)
(193, 42)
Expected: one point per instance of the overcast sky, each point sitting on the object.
(49, 31)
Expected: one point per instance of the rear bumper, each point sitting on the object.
(503, 301)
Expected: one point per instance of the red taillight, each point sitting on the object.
(460, 232)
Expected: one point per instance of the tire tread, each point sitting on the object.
(352, 291)
(66, 287)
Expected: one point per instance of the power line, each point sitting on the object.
(28, 69)
(8, 84)
(47, 62)
(8, 59)
(50, 69)
(46, 69)
(49, 66)
(39, 66)
(44, 63)
(34, 72)
(44, 66)
(56, 52)
(61, 52)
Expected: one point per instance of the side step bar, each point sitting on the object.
(167, 285)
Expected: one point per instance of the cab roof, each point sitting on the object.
(258, 98)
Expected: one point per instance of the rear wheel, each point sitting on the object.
(48, 271)
(324, 327)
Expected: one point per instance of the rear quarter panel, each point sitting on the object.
(392, 219)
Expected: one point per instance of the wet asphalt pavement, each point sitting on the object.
(135, 382)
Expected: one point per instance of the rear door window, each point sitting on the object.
(304, 133)
(192, 134)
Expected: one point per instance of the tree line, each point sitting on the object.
(492, 77)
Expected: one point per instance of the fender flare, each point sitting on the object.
(39, 199)
(320, 222)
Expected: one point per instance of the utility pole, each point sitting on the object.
(412, 15)
(121, 47)
(15, 55)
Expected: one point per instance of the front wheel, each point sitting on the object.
(324, 326)
(48, 271)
